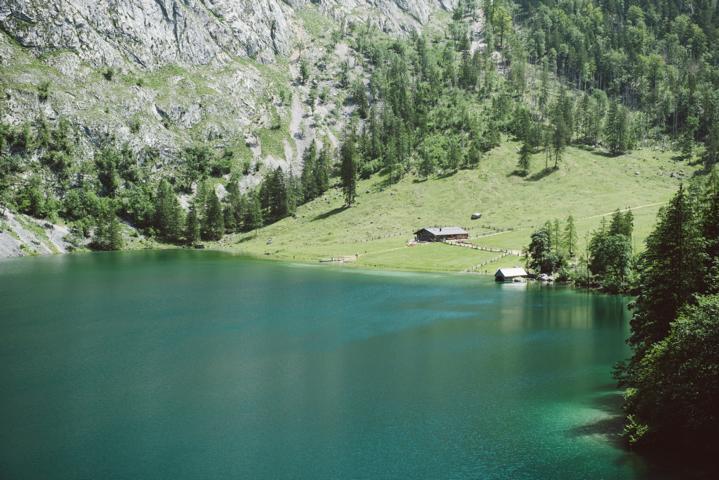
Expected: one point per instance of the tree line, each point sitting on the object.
(671, 381)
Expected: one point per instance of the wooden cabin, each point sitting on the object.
(441, 234)
(509, 274)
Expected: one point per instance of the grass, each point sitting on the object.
(588, 185)
(316, 24)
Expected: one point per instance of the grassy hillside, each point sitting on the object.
(588, 185)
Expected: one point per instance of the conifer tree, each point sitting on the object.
(253, 214)
(192, 227)
(168, 214)
(617, 129)
(523, 164)
(669, 275)
(308, 179)
(228, 215)
(235, 206)
(322, 170)
(213, 227)
(570, 237)
(349, 168)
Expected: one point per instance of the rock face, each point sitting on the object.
(21, 235)
(158, 76)
(153, 33)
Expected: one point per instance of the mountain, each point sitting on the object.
(149, 34)
(182, 72)
(152, 112)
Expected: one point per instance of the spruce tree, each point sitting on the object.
(235, 204)
(668, 275)
(168, 214)
(308, 179)
(523, 164)
(322, 170)
(710, 233)
(228, 215)
(253, 214)
(213, 227)
(192, 228)
(570, 237)
(617, 129)
(349, 169)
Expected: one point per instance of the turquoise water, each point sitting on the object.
(198, 365)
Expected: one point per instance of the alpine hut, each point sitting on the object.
(440, 234)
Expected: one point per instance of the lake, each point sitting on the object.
(198, 365)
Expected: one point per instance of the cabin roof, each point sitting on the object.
(511, 272)
(439, 231)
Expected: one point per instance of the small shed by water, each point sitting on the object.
(441, 234)
(509, 274)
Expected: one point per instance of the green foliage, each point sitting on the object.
(543, 256)
(675, 384)
(192, 228)
(108, 73)
(213, 227)
(43, 91)
(108, 232)
(253, 218)
(275, 196)
(304, 71)
(673, 375)
(168, 214)
(107, 161)
(348, 173)
(617, 131)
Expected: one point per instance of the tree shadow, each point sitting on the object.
(335, 211)
(605, 154)
(518, 173)
(611, 426)
(545, 172)
(246, 238)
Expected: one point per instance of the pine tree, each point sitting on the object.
(228, 215)
(234, 202)
(192, 228)
(668, 275)
(108, 232)
(556, 238)
(710, 233)
(308, 179)
(322, 170)
(524, 159)
(213, 227)
(349, 168)
(168, 214)
(617, 129)
(253, 214)
(570, 237)
(274, 195)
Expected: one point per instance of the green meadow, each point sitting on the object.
(588, 185)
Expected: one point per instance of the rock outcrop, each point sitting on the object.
(154, 33)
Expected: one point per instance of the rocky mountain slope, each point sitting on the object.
(153, 33)
(166, 74)
(162, 75)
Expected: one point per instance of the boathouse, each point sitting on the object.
(509, 274)
(440, 234)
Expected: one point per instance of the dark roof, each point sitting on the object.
(441, 231)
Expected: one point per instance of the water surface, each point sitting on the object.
(197, 365)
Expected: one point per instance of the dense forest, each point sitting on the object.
(606, 75)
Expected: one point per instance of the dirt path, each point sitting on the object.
(598, 215)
